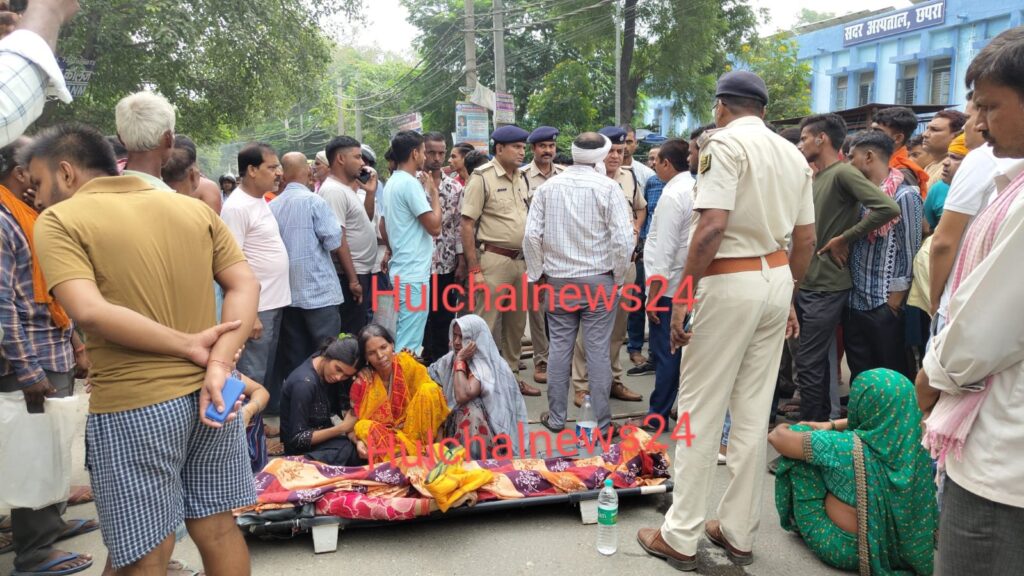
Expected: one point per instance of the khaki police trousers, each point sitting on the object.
(503, 276)
(732, 362)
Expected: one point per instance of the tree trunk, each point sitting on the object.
(628, 85)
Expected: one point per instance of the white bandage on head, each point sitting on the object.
(595, 157)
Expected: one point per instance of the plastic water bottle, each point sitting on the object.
(607, 517)
(586, 423)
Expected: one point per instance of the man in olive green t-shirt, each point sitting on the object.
(133, 267)
(840, 192)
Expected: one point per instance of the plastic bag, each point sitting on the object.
(35, 450)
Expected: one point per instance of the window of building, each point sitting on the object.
(940, 81)
(865, 88)
(906, 85)
(839, 99)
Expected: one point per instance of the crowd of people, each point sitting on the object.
(329, 290)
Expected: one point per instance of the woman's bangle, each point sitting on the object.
(475, 269)
(460, 366)
(80, 349)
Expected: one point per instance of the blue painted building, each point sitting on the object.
(913, 55)
(916, 55)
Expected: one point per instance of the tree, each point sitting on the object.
(808, 16)
(774, 59)
(564, 99)
(670, 47)
(222, 63)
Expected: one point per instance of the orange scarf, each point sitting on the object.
(26, 218)
(901, 159)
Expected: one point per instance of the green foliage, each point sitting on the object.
(222, 63)
(564, 99)
(774, 59)
(808, 16)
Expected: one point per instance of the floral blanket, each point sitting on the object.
(402, 490)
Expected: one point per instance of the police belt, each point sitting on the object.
(513, 254)
(734, 265)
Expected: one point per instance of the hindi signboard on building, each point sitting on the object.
(893, 23)
(472, 125)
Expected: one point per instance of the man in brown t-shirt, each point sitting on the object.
(133, 267)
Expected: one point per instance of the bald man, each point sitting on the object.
(310, 232)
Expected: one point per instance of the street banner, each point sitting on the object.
(472, 125)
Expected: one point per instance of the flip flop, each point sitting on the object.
(77, 528)
(6, 543)
(80, 495)
(46, 569)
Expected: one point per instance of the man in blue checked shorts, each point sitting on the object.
(133, 267)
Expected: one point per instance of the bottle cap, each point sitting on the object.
(608, 482)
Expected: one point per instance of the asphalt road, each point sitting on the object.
(538, 540)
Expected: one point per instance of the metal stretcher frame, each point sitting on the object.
(325, 528)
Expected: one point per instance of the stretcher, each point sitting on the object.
(325, 529)
(298, 496)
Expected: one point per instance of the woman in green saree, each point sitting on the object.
(860, 491)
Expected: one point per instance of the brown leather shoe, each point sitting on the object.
(620, 392)
(651, 541)
(713, 530)
(637, 358)
(648, 427)
(579, 398)
(527, 390)
(540, 373)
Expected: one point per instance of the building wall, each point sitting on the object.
(878, 69)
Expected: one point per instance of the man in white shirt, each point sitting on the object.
(981, 174)
(254, 227)
(973, 377)
(358, 252)
(28, 69)
(664, 259)
(579, 238)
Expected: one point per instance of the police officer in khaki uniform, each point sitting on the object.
(494, 206)
(753, 238)
(638, 204)
(542, 141)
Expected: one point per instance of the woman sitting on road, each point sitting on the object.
(311, 394)
(395, 403)
(860, 491)
(481, 390)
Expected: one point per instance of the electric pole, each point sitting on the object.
(499, 48)
(618, 63)
(470, 39)
(341, 112)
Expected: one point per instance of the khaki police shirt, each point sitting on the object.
(497, 200)
(534, 177)
(761, 179)
(632, 190)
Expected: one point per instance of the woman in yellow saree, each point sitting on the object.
(398, 408)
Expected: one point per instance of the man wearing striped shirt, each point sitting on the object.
(579, 238)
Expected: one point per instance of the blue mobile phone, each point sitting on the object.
(232, 391)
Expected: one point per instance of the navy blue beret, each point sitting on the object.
(509, 135)
(743, 84)
(614, 133)
(543, 134)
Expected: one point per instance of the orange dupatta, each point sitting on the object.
(26, 218)
(901, 159)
